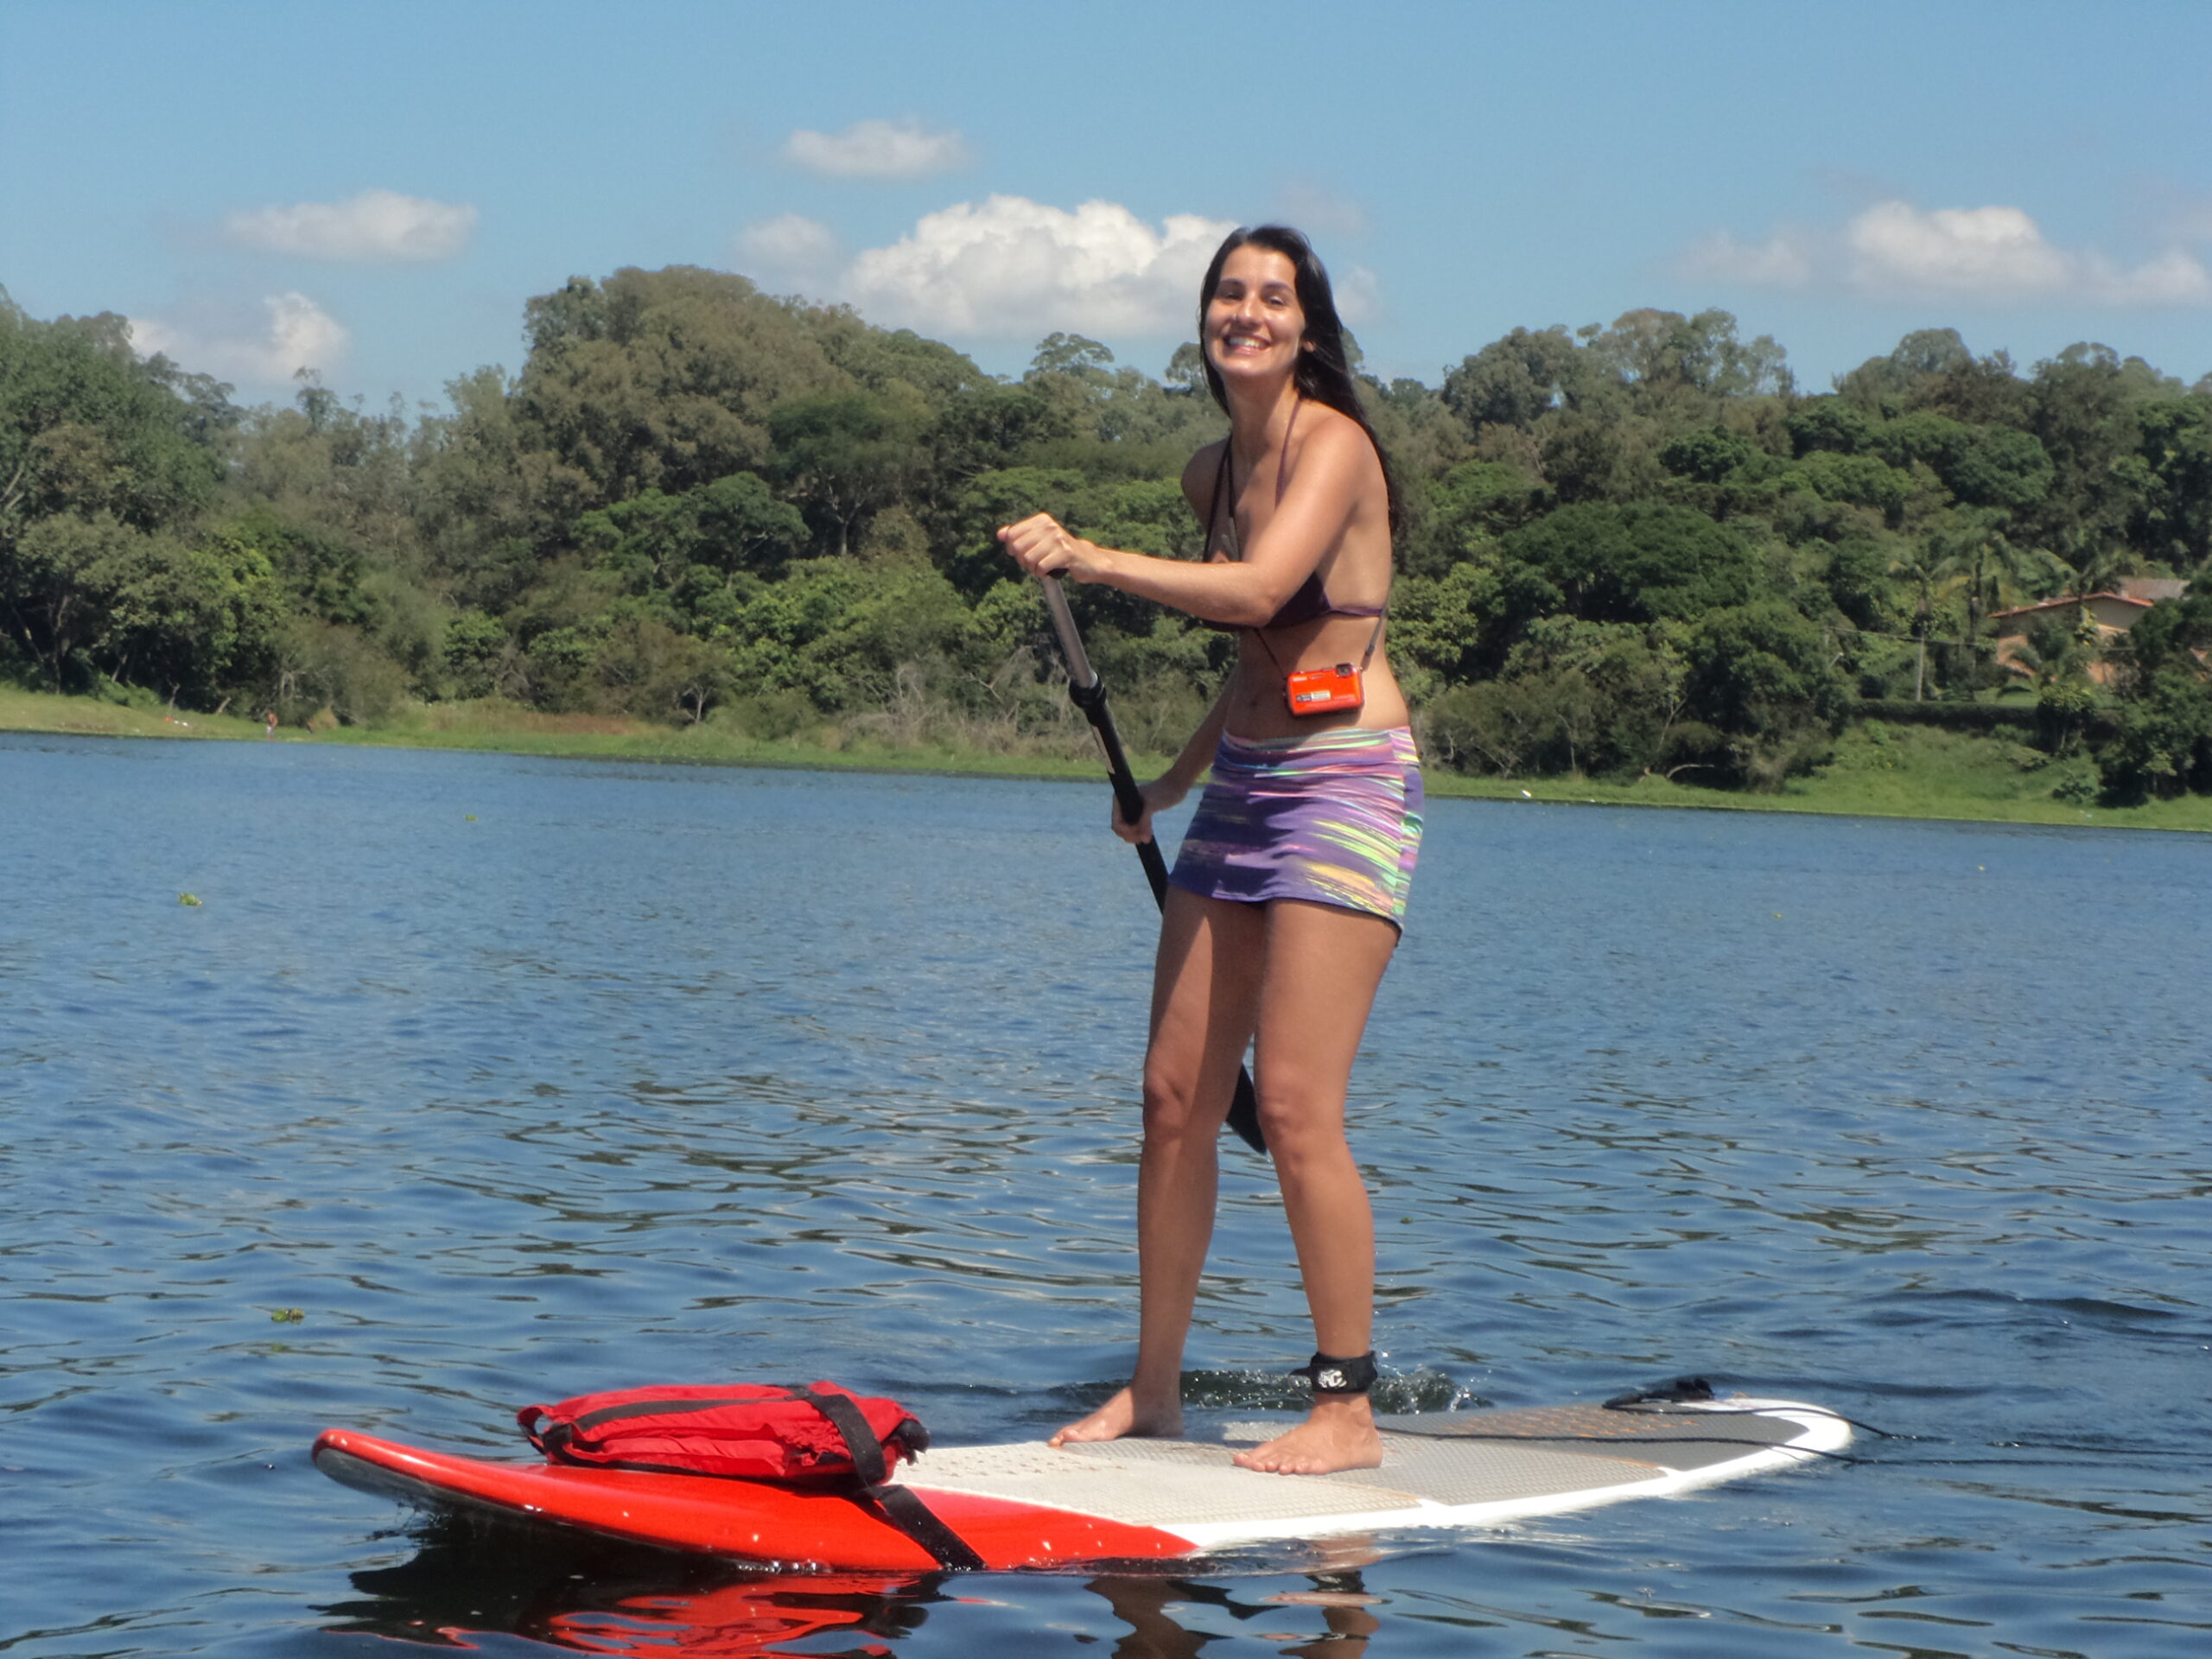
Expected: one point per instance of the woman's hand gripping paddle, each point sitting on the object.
(1088, 693)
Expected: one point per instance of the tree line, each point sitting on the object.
(1631, 549)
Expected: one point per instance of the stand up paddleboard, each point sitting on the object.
(1028, 1504)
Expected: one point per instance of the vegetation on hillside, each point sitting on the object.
(1635, 550)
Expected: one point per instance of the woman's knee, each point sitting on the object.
(1175, 1105)
(1299, 1128)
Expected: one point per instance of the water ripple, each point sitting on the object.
(662, 1073)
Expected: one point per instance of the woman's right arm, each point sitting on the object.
(1338, 476)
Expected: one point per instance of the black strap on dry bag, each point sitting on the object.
(898, 1505)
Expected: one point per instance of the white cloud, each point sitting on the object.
(1017, 268)
(1995, 254)
(2175, 277)
(791, 250)
(1358, 291)
(293, 334)
(1988, 252)
(1781, 261)
(376, 227)
(878, 150)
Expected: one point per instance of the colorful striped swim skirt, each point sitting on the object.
(1333, 818)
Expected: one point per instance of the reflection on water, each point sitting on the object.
(472, 1577)
(515, 1078)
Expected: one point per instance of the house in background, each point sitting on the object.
(2110, 612)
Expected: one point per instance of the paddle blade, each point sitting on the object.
(1244, 1114)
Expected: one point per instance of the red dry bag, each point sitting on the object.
(752, 1430)
(819, 1434)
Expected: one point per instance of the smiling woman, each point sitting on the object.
(1287, 899)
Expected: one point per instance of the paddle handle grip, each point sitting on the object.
(1080, 672)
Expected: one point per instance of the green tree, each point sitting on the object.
(839, 630)
(973, 561)
(480, 656)
(1981, 466)
(846, 456)
(643, 667)
(197, 620)
(2174, 636)
(1667, 357)
(1858, 581)
(1465, 509)
(685, 551)
(1831, 425)
(993, 428)
(318, 665)
(1902, 378)
(87, 427)
(1860, 481)
(663, 380)
(2083, 409)
(484, 500)
(1709, 454)
(1436, 627)
(1186, 371)
(98, 450)
(1516, 380)
(1761, 674)
(1636, 563)
(2170, 476)
(60, 575)
(1588, 457)
(1618, 690)
(2163, 743)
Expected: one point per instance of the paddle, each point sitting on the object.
(1088, 692)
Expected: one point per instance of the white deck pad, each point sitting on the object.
(1465, 1469)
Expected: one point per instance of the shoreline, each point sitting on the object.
(1910, 794)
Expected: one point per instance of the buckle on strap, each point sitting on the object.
(893, 1501)
(1331, 1375)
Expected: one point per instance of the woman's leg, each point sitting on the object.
(1323, 965)
(1205, 993)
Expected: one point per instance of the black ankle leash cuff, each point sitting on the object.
(1330, 1374)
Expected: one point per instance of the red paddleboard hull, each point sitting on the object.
(749, 1520)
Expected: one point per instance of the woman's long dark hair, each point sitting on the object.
(1324, 371)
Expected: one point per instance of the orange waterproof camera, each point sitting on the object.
(1324, 690)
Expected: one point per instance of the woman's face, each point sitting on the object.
(1255, 325)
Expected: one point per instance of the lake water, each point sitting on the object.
(516, 1077)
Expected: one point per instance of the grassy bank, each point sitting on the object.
(508, 729)
(38, 711)
(1881, 772)
(1877, 771)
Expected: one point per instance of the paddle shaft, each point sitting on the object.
(1088, 692)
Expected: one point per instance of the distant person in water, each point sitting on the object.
(1288, 895)
(271, 732)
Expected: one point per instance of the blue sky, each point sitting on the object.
(377, 189)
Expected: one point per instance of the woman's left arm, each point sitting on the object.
(1319, 504)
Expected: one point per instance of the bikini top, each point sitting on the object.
(1311, 602)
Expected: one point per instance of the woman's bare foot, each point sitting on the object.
(1119, 1417)
(1338, 1434)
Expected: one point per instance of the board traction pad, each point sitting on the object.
(1466, 1458)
